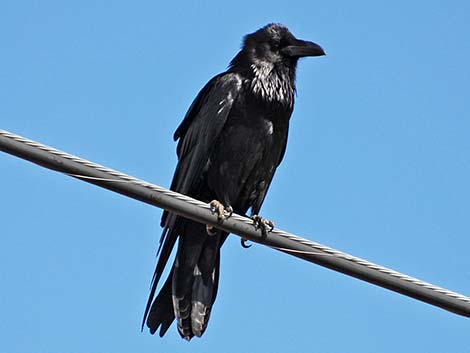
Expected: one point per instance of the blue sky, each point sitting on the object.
(377, 165)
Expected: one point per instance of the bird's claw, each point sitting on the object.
(210, 229)
(244, 244)
(265, 225)
(259, 222)
(228, 212)
(223, 212)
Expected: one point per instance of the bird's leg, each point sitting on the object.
(223, 212)
(259, 222)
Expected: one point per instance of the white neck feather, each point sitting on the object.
(271, 84)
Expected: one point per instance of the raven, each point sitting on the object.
(230, 143)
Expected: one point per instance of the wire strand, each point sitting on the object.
(316, 248)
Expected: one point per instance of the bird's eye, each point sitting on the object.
(275, 46)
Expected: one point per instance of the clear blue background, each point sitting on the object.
(377, 165)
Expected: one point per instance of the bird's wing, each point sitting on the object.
(201, 126)
(197, 136)
(198, 132)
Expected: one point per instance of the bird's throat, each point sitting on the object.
(273, 83)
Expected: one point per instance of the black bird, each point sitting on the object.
(230, 143)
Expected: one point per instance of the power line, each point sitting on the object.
(291, 244)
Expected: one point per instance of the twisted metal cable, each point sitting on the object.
(317, 249)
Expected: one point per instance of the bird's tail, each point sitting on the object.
(191, 287)
(203, 295)
(195, 280)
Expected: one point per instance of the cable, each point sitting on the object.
(199, 211)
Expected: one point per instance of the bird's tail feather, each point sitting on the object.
(167, 241)
(161, 313)
(202, 299)
(194, 279)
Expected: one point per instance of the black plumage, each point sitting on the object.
(230, 143)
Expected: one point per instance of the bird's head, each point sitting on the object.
(274, 45)
(269, 57)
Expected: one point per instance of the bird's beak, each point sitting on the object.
(303, 48)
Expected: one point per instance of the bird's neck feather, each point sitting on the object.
(273, 82)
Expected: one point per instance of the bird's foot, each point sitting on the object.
(259, 222)
(265, 225)
(223, 212)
